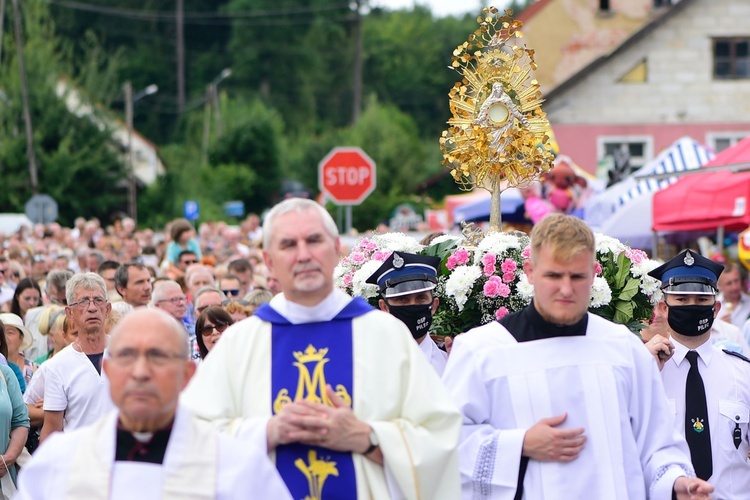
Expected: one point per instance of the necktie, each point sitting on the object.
(697, 431)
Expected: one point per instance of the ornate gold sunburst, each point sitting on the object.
(498, 131)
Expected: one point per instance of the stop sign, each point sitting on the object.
(347, 175)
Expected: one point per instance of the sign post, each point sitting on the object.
(347, 176)
(41, 209)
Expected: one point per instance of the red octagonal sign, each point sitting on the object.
(347, 175)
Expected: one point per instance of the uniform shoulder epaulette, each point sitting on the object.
(736, 355)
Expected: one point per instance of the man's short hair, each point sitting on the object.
(185, 252)
(123, 273)
(239, 266)
(159, 291)
(86, 281)
(299, 205)
(107, 265)
(58, 277)
(207, 289)
(99, 256)
(728, 268)
(564, 235)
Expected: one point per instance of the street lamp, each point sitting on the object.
(130, 100)
(212, 101)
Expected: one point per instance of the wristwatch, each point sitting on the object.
(374, 443)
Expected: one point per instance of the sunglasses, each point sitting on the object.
(232, 292)
(208, 330)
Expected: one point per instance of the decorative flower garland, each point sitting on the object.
(482, 283)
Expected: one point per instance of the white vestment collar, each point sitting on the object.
(190, 462)
(326, 310)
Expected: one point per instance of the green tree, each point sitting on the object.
(75, 156)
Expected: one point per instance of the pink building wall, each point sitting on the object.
(580, 141)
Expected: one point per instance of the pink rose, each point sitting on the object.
(357, 257)
(503, 290)
(597, 268)
(368, 245)
(508, 277)
(348, 278)
(380, 255)
(526, 252)
(501, 313)
(489, 259)
(492, 287)
(462, 256)
(451, 262)
(508, 266)
(637, 256)
(489, 270)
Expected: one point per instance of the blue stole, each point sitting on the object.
(305, 358)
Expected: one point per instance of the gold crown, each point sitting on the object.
(311, 354)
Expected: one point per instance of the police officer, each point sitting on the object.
(406, 282)
(709, 387)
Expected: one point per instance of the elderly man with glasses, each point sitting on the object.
(150, 447)
(75, 390)
(169, 297)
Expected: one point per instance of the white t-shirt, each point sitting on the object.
(35, 387)
(72, 384)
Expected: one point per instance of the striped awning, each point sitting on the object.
(684, 154)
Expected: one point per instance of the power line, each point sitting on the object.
(244, 18)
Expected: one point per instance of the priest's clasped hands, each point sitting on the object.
(316, 424)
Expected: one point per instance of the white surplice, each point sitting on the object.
(395, 392)
(435, 356)
(606, 382)
(199, 463)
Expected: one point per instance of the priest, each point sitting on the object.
(559, 403)
(149, 448)
(337, 392)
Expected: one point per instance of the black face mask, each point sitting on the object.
(691, 321)
(417, 318)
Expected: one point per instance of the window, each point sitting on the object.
(637, 150)
(720, 141)
(731, 58)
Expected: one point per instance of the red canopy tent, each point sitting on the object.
(710, 200)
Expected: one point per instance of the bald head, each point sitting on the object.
(154, 322)
(147, 369)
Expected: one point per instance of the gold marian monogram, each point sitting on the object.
(311, 387)
(316, 472)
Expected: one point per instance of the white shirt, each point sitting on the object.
(437, 357)
(739, 313)
(35, 387)
(727, 382)
(73, 385)
(726, 335)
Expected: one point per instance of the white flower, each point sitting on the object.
(359, 287)
(525, 289)
(642, 269)
(651, 288)
(498, 243)
(460, 283)
(601, 295)
(606, 244)
(397, 242)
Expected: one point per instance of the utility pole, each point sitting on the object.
(2, 23)
(179, 21)
(357, 80)
(132, 207)
(25, 98)
(207, 123)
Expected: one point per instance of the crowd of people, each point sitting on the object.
(223, 363)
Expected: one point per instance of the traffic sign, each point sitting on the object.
(191, 210)
(41, 209)
(347, 176)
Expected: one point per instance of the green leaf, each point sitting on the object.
(623, 269)
(630, 289)
(623, 312)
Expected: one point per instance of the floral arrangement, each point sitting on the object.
(485, 282)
